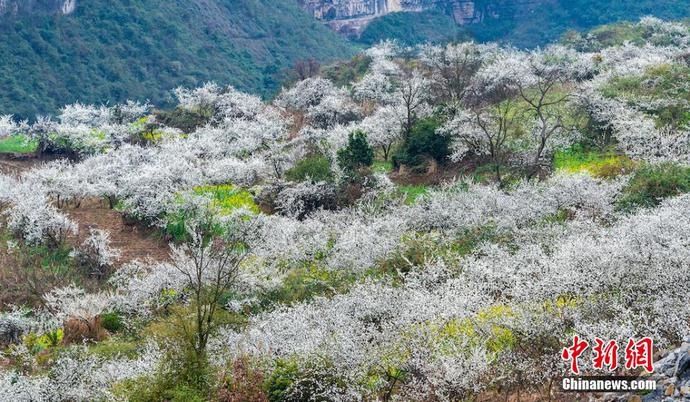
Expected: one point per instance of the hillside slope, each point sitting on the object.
(110, 50)
(523, 23)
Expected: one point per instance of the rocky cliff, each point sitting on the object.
(23, 7)
(351, 16)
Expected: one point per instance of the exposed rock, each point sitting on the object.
(11, 330)
(672, 373)
(349, 17)
(18, 7)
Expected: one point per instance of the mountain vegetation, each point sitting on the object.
(524, 24)
(441, 227)
(109, 51)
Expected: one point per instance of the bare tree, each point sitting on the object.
(495, 123)
(542, 93)
(413, 93)
(452, 68)
(486, 125)
(307, 69)
(209, 261)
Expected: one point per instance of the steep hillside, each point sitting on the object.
(109, 50)
(524, 23)
(531, 23)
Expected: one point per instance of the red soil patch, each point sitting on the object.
(14, 165)
(134, 241)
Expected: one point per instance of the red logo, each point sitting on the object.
(573, 352)
(605, 354)
(639, 354)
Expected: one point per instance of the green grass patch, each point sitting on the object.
(599, 164)
(654, 183)
(114, 347)
(382, 166)
(17, 144)
(225, 199)
(229, 198)
(413, 192)
(306, 283)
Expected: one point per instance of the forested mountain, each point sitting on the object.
(459, 222)
(523, 23)
(56, 52)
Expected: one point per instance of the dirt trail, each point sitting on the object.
(134, 241)
(15, 166)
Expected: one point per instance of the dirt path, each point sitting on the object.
(134, 241)
(15, 166)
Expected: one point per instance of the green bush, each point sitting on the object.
(112, 322)
(653, 183)
(357, 155)
(315, 168)
(422, 143)
(291, 383)
(278, 384)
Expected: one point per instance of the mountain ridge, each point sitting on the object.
(107, 51)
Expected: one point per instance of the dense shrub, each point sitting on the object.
(423, 143)
(112, 322)
(304, 198)
(184, 119)
(291, 383)
(653, 183)
(307, 282)
(345, 73)
(278, 384)
(315, 168)
(356, 155)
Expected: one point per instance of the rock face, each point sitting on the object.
(672, 374)
(23, 7)
(349, 17)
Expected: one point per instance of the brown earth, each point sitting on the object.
(16, 164)
(435, 174)
(135, 241)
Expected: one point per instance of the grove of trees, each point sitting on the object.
(551, 200)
